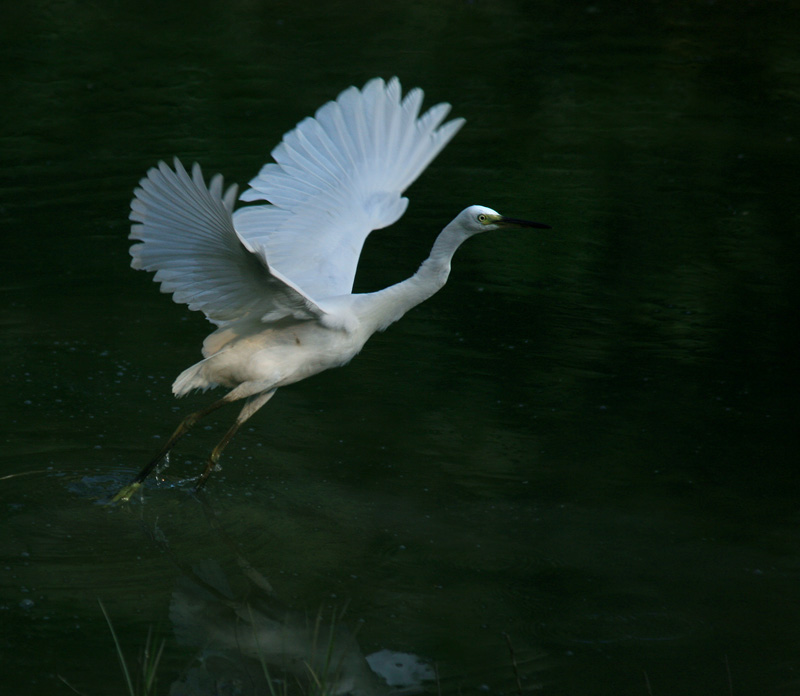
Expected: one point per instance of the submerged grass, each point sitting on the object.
(149, 660)
(322, 677)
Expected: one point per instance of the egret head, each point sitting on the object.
(479, 218)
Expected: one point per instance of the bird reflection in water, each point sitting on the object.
(249, 642)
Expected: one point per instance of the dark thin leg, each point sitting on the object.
(180, 431)
(252, 405)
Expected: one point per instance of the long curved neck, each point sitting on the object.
(378, 310)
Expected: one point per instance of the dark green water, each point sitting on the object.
(582, 448)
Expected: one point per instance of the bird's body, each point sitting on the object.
(254, 356)
(277, 278)
(263, 358)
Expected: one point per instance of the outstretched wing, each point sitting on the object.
(187, 237)
(338, 176)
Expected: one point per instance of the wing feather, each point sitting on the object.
(338, 176)
(186, 235)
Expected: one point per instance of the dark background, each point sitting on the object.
(584, 442)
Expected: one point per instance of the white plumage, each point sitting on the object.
(337, 177)
(277, 277)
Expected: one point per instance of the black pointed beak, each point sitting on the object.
(514, 222)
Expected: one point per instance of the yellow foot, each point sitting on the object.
(126, 493)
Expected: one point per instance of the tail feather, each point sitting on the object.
(192, 378)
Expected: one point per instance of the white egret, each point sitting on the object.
(277, 278)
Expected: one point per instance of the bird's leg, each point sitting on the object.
(252, 405)
(125, 494)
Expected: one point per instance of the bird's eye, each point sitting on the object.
(482, 218)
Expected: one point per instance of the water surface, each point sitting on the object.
(570, 472)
